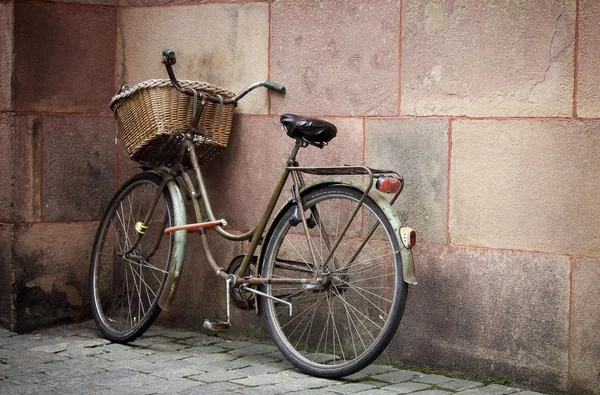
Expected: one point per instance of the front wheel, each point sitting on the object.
(125, 286)
(344, 324)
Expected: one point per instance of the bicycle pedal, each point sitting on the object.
(216, 325)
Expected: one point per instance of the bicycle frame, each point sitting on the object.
(204, 215)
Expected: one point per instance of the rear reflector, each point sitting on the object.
(388, 184)
(409, 237)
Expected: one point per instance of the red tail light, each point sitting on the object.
(388, 184)
(409, 237)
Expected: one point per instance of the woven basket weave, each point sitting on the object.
(153, 116)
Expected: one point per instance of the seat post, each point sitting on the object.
(297, 146)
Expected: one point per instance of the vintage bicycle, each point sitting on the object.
(329, 271)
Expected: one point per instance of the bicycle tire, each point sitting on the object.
(356, 313)
(125, 291)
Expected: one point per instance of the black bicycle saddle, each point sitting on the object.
(313, 130)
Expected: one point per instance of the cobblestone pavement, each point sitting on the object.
(76, 360)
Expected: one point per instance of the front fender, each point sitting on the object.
(408, 266)
(178, 253)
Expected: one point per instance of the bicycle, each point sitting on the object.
(332, 272)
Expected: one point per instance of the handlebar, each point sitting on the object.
(169, 60)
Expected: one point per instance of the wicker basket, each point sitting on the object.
(153, 116)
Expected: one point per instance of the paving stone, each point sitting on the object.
(167, 347)
(350, 388)
(234, 344)
(50, 348)
(131, 380)
(434, 392)
(214, 388)
(150, 341)
(492, 389)
(210, 358)
(257, 369)
(257, 359)
(459, 385)
(209, 366)
(204, 340)
(139, 365)
(370, 371)
(293, 385)
(254, 349)
(263, 379)
(77, 386)
(406, 387)
(433, 379)
(6, 333)
(173, 385)
(10, 389)
(215, 377)
(375, 392)
(171, 369)
(165, 357)
(29, 378)
(119, 355)
(396, 376)
(180, 335)
(201, 350)
(78, 369)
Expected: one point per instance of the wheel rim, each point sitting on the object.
(342, 322)
(127, 287)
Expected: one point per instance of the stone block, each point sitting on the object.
(65, 64)
(585, 326)
(418, 150)
(28, 168)
(494, 58)
(6, 59)
(89, 2)
(243, 177)
(51, 266)
(125, 168)
(223, 44)
(526, 184)
(588, 73)
(6, 243)
(7, 132)
(78, 162)
(489, 313)
(336, 58)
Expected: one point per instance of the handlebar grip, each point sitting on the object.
(276, 87)
(169, 57)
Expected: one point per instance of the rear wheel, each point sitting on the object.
(125, 287)
(342, 325)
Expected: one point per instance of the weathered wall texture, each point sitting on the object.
(58, 161)
(491, 110)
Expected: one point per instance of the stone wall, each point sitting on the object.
(490, 109)
(60, 138)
